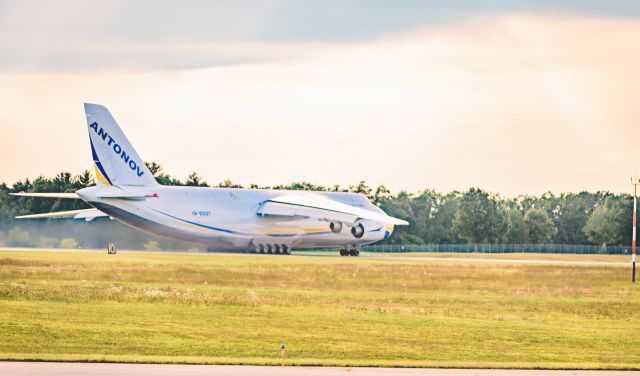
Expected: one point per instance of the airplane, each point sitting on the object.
(261, 220)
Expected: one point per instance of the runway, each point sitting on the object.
(104, 369)
(374, 256)
(494, 260)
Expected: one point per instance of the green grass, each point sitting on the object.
(232, 309)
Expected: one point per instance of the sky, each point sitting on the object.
(515, 97)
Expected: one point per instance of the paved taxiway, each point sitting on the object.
(104, 369)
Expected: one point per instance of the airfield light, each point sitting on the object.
(282, 347)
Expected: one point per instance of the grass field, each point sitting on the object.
(234, 309)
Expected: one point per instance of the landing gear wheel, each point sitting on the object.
(111, 248)
(356, 252)
(352, 252)
(287, 250)
(343, 252)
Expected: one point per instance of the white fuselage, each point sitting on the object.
(226, 218)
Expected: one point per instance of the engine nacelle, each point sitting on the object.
(336, 227)
(357, 231)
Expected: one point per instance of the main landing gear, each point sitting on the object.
(350, 251)
(276, 249)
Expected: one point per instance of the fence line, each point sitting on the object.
(499, 248)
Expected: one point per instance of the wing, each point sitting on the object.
(322, 208)
(86, 214)
(47, 195)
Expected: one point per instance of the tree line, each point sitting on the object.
(471, 216)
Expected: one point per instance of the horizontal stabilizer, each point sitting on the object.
(47, 195)
(127, 196)
(86, 214)
(322, 208)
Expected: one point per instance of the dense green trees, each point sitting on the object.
(193, 180)
(517, 231)
(473, 216)
(606, 224)
(540, 229)
(476, 216)
(479, 218)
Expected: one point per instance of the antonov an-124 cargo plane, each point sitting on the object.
(267, 221)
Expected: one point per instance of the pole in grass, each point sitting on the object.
(282, 347)
(635, 182)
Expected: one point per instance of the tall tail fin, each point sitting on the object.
(115, 160)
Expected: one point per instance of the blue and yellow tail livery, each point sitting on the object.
(115, 160)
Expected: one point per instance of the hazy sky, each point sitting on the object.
(514, 97)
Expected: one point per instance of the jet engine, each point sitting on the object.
(357, 231)
(335, 227)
